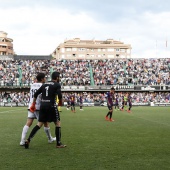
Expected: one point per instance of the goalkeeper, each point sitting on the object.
(48, 109)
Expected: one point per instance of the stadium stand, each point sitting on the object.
(89, 72)
(142, 77)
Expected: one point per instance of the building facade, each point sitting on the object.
(92, 49)
(6, 45)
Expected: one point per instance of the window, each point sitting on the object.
(81, 55)
(122, 50)
(110, 49)
(81, 49)
(74, 49)
(62, 50)
(122, 56)
(68, 49)
(110, 56)
(68, 55)
(62, 56)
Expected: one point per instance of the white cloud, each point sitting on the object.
(39, 30)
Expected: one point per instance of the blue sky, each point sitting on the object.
(37, 27)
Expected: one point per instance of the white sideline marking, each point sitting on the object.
(10, 111)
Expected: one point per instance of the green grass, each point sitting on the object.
(136, 141)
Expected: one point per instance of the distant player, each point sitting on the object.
(31, 116)
(120, 101)
(110, 98)
(117, 102)
(81, 102)
(68, 102)
(72, 100)
(129, 102)
(123, 103)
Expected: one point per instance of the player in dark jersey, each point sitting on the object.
(117, 102)
(123, 104)
(130, 102)
(48, 109)
(81, 102)
(72, 100)
(110, 98)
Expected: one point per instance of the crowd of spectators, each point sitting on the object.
(9, 74)
(15, 97)
(132, 71)
(73, 72)
(77, 72)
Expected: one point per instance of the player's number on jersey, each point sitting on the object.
(33, 92)
(46, 88)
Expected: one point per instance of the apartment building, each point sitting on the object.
(6, 45)
(92, 49)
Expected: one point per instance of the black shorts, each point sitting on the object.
(48, 113)
(110, 107)
(72, 104)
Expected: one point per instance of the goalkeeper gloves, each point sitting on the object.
(33, 108)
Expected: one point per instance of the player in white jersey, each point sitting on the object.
(31, 116)
(120, 101)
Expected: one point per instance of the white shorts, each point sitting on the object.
(34, 115)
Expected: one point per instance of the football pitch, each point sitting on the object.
(134, 141)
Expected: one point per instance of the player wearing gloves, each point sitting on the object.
(48, 109)
(34, 113)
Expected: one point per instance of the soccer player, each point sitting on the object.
(68, 102)
(117, 102)
(130, 102)
(110, 98)
(72, 99)
(120, 101)
(123, 103)
(81, 102)
(31, 116)
(48, 109)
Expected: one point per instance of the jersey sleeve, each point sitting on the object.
(59, 93)
(39, 91)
